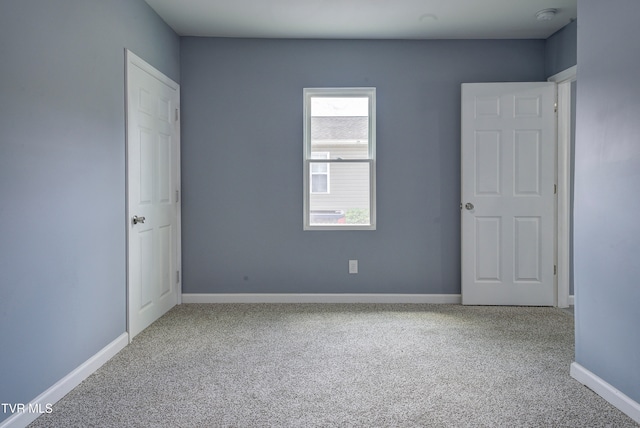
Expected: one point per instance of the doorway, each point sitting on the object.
(153, 193)
(566, 82)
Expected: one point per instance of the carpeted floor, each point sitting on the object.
(342, 366)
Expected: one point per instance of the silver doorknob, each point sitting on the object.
(137, 219)
(468, 206)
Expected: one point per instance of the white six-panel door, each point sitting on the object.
(508, 200)
(152, 192)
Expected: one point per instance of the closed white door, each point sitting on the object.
(153, 134)
(508, 193)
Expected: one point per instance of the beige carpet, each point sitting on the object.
(342, 366)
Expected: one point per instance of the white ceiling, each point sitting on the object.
(365, 19)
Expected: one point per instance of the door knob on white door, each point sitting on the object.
(469, 206)
(137, 219)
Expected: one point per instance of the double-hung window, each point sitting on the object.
(339, 158)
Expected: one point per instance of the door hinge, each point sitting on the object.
(555, 107)
(555, 189)
(177, 196)
(177, 115)
(177, 277)
(555, 269)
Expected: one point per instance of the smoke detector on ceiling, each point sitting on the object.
(546, 14)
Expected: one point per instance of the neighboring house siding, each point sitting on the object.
(348, 183)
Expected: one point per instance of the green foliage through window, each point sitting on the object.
(357, 216)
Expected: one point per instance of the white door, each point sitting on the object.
(508, 193)
(153, 141)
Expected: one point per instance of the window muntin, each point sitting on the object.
(339, 136)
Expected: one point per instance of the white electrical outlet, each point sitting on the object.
(353, 266)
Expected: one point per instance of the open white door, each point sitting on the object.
(153, 144)
(508, 193)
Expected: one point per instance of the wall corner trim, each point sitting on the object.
(455, 299)
(67, 383)
(606, 391)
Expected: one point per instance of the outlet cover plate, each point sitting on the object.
(353, 266)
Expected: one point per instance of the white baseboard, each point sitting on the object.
(606, 391)
(66, 384)
(320, 298)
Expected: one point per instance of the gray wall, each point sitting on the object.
(561, 49)
(607, 179)
(62, 180)
(242, 161)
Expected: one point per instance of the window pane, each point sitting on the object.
(319, 183)
(348, 202)
(319, 167)
(339, 106)
(340, 125)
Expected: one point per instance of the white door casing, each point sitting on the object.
(153, 148)
(563, 81)
(508, 193)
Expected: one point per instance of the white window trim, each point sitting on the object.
(340, 92)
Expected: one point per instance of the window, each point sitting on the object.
(339, 158)
(320, 173)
